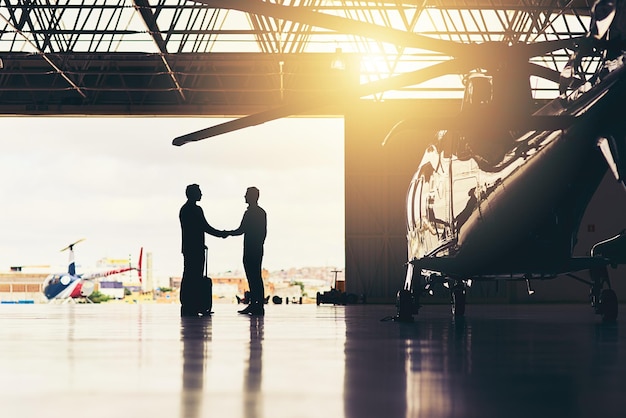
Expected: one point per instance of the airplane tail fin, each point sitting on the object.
(71, 266)
(139, 270)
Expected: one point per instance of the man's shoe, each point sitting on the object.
(257, 310)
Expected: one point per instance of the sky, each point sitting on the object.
(119, 184)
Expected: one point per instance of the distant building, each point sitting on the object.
(25, 284)
(175, 282)
(229, 287)
(113, 289)
(20, 287)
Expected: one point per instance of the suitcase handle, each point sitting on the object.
(206, 262)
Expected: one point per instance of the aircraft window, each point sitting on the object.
(479, 90)
(52, 279)
(411, 201)
(410, 213)
(48, 280)
(417, 201)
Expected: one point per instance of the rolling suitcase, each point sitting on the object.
(206, 288)
(196, 293)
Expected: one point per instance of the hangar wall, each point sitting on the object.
(376, 181)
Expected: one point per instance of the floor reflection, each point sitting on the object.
(435, 351)
(375, 373)
(310, 361)
(253, 373)
(195, 335)
(514, 366)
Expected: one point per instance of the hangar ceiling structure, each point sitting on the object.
(226, 58)
(230, 58)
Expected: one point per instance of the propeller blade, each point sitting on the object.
(453, 66)
(468, 56)
(301, 106)
(543, 72)
(339, 24)
(69, 247)
(293, 108)
(381, 33)
(537, 49)
(552, 75)
(463, 122)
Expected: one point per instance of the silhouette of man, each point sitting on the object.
(254, 229)
(193, 227)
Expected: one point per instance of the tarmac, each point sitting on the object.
(117, 360)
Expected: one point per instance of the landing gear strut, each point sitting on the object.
(408, 299)
(406, 306)
(603, 300)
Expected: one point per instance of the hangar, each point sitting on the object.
(241, 57)
(227, 58)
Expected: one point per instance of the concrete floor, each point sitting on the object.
(310, 361)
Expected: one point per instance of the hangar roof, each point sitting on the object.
(234, 57)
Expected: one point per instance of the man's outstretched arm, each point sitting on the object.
(240, 230)
(210, 230)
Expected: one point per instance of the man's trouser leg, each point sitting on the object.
(189, 287)
(252, 266)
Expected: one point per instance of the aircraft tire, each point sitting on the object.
(404, 304)
(608, 305)
(458, 301)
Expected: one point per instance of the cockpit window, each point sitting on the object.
(479, 90)
(56, 279)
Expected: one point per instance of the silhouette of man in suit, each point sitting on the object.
(193, 227)
(254, 229)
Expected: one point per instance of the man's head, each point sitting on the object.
(252, 195)
(193, 192)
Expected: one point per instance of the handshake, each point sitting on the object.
(223, 234)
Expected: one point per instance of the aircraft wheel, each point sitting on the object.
(404, 304)
(608, 305)
(458, 301)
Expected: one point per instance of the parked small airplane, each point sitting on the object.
(501, 191)
(69, 285)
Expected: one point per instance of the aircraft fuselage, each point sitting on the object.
(488, 202)
(65, 285)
